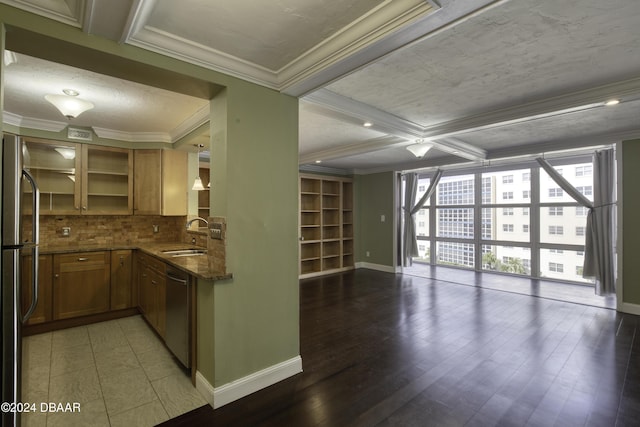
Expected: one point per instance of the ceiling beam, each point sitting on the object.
(442, 134)
(429, 23)
(368, 146)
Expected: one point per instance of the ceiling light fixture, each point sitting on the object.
(67, 153)
(367, 124)
(612, 102)
(68, 104)
(318, 161)
(420, 149)
(197, 183)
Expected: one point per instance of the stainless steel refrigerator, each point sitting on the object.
(20, 205)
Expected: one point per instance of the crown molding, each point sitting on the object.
(541, 147)
(168, 44)
(460, 148)
(32, 123)
(324, 170)
(132, 136)
(627, 90)
(193, 122)
(368, 146)
(382, 121)
(387, 18)
(196, 120)
(74, 19)
(442, 134)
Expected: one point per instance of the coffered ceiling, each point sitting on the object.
(479, 79)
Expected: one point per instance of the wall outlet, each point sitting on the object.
(156, 228)
(383, 218)
(368, 254)
(66, 231)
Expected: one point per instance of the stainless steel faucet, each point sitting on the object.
(191, 221)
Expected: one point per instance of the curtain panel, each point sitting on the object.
(600, 235)
(410, 249)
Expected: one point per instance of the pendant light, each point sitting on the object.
(197, 184)
(69, 104)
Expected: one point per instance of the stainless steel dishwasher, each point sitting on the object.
(178, 333)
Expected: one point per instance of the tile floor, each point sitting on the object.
(119, 372)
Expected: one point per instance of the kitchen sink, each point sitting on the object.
(184, 252)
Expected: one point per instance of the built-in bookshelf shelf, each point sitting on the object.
(326, 225)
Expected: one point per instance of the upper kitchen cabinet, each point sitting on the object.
(160, 182)
(82, 179)
(107, 180)
(55, 167)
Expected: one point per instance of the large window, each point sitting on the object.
(511, 220)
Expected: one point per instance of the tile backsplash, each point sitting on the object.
(110, 230)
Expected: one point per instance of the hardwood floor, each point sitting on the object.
(381, 349)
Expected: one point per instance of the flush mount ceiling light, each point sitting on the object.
(612, 102)
(69, 104)
(367, 124)
(420, 149)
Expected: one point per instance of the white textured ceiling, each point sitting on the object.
(480, 78)
(120, 105)
(269, 34)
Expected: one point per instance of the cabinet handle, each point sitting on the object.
(56, 275)
(83, 259)
(153, 282)
(84, 208)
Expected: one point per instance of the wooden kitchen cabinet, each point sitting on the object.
(43, 312)
(122, 295)
(56, 168)
(81, 284)
(152, 291)
(107, 180)
(160, 182)
(79, 179)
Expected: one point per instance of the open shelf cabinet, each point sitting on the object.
(326, 225)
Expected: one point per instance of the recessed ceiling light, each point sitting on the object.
(612, 102)
(318, 161)
(367, 124)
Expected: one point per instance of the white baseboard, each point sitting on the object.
(629, 308)
(227, 393)
(204, 387)
(378, 267)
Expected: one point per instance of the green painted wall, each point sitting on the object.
(257, 313)
(251, 321)
(374, 197)
(631, 227)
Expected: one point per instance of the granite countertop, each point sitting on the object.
(197, 265)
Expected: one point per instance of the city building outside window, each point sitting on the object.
(506, 210)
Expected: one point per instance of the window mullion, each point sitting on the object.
(534, 218)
